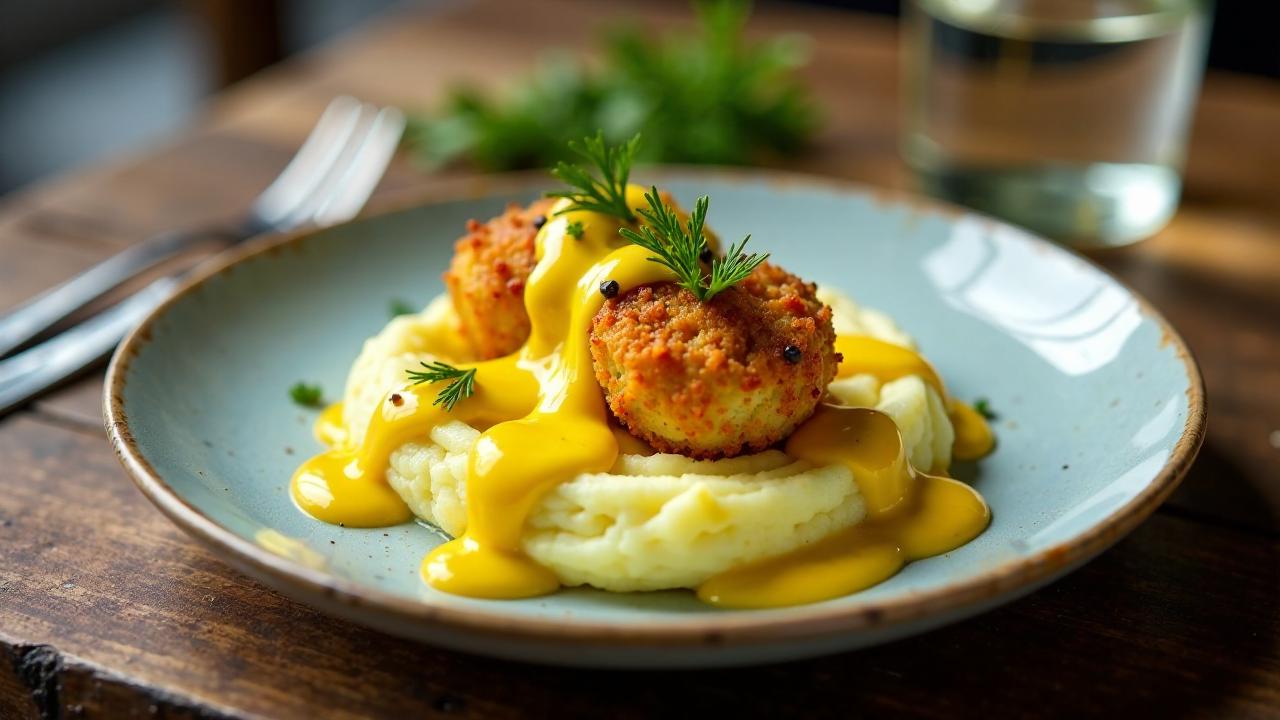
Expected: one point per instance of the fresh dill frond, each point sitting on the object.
(679, 247)
(575, 230)
(306, 394)
(398, 307)
(733, 267)
(674, 246)
(461, 385)
(602, 186)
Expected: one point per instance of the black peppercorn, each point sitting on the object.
(609, 288)
(791, 354)
(539, 221)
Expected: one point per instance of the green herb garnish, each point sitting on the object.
(733, 267)
(710, 96)
(983, 407)
(306, 394)
(679, 247)
(399, 307)
(602, 187)
(575, 229)
(461, 387)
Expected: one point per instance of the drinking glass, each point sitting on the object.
(1068, 117)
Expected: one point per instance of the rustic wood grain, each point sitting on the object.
(128, 604)
(107, 610)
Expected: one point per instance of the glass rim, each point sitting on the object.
(978, 16)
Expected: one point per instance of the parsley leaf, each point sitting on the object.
(710, 96)
(306, 394)
(983, 407)
(398, 307)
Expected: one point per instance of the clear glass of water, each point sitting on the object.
(1068, 117)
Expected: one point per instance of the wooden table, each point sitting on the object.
(108, 610)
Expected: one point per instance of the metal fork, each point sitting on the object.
(327, 181)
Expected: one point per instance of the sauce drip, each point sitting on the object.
(546, 422)
(329, 428)
(887, 362)
(514, 463)
(910, 516)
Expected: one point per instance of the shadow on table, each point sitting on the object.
(1178, 620)
(1220, 488)
(1155, 627)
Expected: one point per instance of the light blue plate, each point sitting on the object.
(1100, 408)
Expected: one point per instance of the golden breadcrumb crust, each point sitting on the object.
(710, 379)
(486, 279)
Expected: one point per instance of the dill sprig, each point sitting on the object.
(733, 267)
(461, 387)
(679, 247)
(606, 193)
(675, 247)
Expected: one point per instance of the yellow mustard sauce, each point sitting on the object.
(329, 428)
(886, 361)
(544, 421)
(910, 516)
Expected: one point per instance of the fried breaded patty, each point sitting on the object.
(486, 278)
(714, 379)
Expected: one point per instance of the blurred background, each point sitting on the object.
(84, 79)
(81, 79)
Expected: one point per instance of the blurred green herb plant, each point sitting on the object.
(707, 97)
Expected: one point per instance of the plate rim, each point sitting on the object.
(790, 624)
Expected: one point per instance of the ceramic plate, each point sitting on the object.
(1100, 407)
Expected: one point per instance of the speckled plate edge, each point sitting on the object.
(381, 609)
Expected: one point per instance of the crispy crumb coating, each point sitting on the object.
(486, 279)
(711, 379)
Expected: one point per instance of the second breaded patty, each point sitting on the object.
(486, 278)
(712, 379)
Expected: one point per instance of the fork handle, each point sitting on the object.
(33, 371)
(52, 306)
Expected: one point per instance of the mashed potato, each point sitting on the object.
(657, 521)
(651, 522)
(918, 410)
(406, 341)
